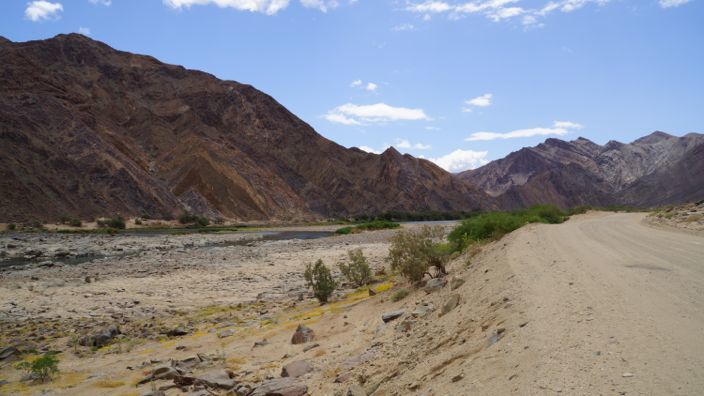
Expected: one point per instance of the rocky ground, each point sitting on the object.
(689, 217)
(598, 305)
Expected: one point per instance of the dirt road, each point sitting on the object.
(616, 307)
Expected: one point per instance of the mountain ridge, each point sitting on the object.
(89, 131)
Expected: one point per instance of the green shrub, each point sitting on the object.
(357, 271)
(188, 218)
(11, 227)
(378, 225)
(399, 294)
(412, 252)
(75, 223)
(115, 222)
(138, 221)
(494, 225)
(343, 230)
(319, 278)
(42, 368)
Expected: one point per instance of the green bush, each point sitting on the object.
(75, 223)
(343, 230)
(399, 294)
(413, 252)
(357, 271)
(42, 368)
(188, 218)
(319, 278)
(115, 222)
(378, 225)
(494, 225)
(11, 227)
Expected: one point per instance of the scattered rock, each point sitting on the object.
(372, 292)
(422, 309)
(296, 369)
(280, 387)
(90, 279)
(162, 373)
(9, 354)
(434, 285)
(627, 375)
(342, 377)
(100, 339)
(356, 390)
(457, 378)
(450, 304)
(177, 332)
(405, 325)
(389, 316)
(455, 283)
(216, 379)
(302, 335)
(261, 343)
(226, 333)
(309, 347)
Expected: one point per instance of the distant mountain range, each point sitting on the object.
(89, 131)
(654, 170)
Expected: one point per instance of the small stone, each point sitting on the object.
(280, 387)
(450, 304)
(356, 390)
(309, 347)
(372, 292)
(296, 369)
(456, 283)
(457, 378)
(627, 375)
(389, 316)
(177, 332)
(434, 285)
(226, 333)
(261, 343)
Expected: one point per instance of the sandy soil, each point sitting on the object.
(601, 304)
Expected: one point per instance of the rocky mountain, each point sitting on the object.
(86, 131)
(654, 170)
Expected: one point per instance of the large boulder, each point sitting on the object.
(101, 338)
(302, 335)
(280, 387)
(452, 302)
(296, 369)
(434, 285)
(389, 316)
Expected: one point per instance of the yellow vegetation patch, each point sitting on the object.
(108, 383)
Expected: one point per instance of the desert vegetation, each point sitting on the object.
(368, 226)
(319, 278)
(357, 271)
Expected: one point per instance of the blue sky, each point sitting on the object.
(458, 81)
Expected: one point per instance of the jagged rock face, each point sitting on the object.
(653, 170)
(86, 131)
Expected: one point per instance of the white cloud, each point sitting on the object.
(499, 10)
(352, 114)
(403, 27)
(356, 83)
(84, 31)
(460, 160)
(43, 10)
(430, 7)
(106, 3)
(322, 5)
(567, 125)
(559, 128)
(479, 101)
(672, 3)
(405, 144)
(371, 87)
(269, 7)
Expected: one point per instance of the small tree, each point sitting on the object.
(41, 369)
(412, 252)
(318, 277)
(357, 271)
